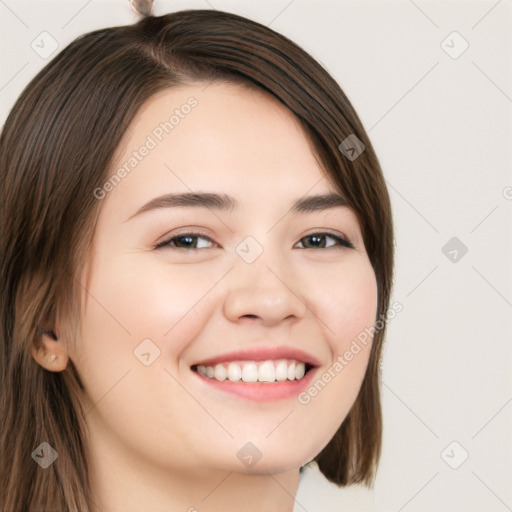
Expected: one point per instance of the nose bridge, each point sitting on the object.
(261, 284)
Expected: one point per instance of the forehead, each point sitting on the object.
(242, 138)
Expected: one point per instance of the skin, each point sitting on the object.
(160, 438)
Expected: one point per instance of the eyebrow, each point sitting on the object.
(225, 202)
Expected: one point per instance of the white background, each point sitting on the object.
(441, 127)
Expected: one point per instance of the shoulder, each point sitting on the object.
(317, 494)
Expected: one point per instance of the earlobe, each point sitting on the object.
(52, 355)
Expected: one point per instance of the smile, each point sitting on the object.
(258, 373)
(255, 371)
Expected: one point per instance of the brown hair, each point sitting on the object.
(57, 147)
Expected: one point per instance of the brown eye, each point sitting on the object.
(318, 241)
(184, 241)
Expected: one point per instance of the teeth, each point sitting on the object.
(220, 372)
(251, 371)
(281, 371)
(234, 372)
(291, 372)
(300, 370)
(267, 372)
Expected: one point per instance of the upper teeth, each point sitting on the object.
(255, 371)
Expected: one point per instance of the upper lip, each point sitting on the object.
(261, 354)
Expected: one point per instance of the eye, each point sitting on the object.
(185, 241)
(317, 241)
(191, 241)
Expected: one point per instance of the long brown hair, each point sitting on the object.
(57, 147)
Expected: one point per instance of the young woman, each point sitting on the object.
(196, 264)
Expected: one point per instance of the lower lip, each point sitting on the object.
(262, 391)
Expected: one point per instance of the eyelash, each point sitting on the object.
(342, 242)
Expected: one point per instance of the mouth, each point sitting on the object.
(261, 375)
(268, 371)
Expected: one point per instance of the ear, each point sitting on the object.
(52, 355)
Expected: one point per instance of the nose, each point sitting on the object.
(264, 294)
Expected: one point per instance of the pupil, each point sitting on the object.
(316, 240)
(188, 240)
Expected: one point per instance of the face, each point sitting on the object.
(200, 320)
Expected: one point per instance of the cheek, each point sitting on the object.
(347, 308)
(345, 303)
(127, 305)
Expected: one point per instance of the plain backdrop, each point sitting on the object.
(432, 84)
